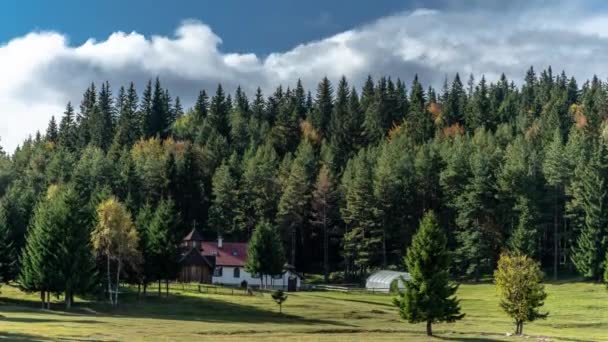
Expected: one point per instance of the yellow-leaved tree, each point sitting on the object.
(519, 283)
(116, 238)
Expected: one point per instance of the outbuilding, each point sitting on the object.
(382, 281)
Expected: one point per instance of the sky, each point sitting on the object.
(51, 51)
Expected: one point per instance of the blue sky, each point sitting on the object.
(252, 26)
(50, 51)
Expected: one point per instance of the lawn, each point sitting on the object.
(578, 312)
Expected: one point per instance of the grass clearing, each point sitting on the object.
(578, 312)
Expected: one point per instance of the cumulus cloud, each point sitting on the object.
(41, 71)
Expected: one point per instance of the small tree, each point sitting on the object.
(428, 296)
(518, 281)
(279, 296)
(265, 254)
(115, 237)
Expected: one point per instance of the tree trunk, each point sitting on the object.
(43, 298)
(117, 282)
(160, 288)
(384, 246)
(293, 245)
(68, 299)
(429, 328)
(167, 287)
(109, 280)
(555, 237)
(145, 289)
(48, 300)
(325, 251)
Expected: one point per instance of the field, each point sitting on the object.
(578, 312)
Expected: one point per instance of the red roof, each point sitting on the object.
(231, 253)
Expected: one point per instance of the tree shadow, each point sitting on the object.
(23, 337)
(45, 320)
(176, 307)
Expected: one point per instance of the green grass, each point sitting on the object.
(578, 312)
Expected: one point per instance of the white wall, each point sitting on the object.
(228, 278)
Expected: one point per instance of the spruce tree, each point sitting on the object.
(590, 247)
(429, 295)
(324, 209)
(162, 239)
(222, 213)
(323, 106)
(265, 254)
(52, 133)
(67, 129)
(219, 110)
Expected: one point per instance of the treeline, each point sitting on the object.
(344, 174)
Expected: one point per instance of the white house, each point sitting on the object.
(228, 260)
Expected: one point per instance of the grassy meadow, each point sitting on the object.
(578, 312)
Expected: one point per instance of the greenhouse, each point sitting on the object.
(383, 281)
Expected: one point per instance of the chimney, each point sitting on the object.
(220, 242)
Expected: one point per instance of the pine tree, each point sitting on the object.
(159, 119)
(324, 207)
(67, 129)
(428, 296)
(590, 247)
(52, 133)
(162, 238)
(7, 251)
(201, 107)
(323, 106)
(218, 112)
(265, 254)
(294, 205)
(128, 129)
(222, 213)
(555, 169)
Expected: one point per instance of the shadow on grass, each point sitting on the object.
(466, 339)
(175, 307)
(44, 320)
(23, 337)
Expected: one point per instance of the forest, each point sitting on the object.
(343, 173)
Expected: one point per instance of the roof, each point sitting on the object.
(381, 280)
(231, 253)
(194, 257)
(194, 235)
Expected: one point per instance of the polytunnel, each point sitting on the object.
(381, 281)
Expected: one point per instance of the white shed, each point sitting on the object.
(381, 281)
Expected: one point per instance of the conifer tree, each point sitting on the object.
(67, 129)
(324, 207)
(265, 254)
(219, 111)
(222, 213)
(201, 107)
(294, 204)
(590, 247)
(323, 106)
(162, 238)
(52, 133)
(428, 296)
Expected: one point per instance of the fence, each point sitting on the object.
(176, 287)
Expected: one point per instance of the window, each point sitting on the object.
(218, 271)
(237, 272)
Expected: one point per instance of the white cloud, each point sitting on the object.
(41, 71)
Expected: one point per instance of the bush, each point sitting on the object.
(336, 277)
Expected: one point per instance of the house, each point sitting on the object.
(226, 263)
(194, 266)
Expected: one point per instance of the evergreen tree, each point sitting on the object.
(323, 106)
(52, 134)
(219, 112)
(222, 213)
(294, 204)
(265, 254)
(590, 247)
(324, 207)
(67, 129)
(128, 129)
(201, 107)
(428, 296)
(162, 237)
